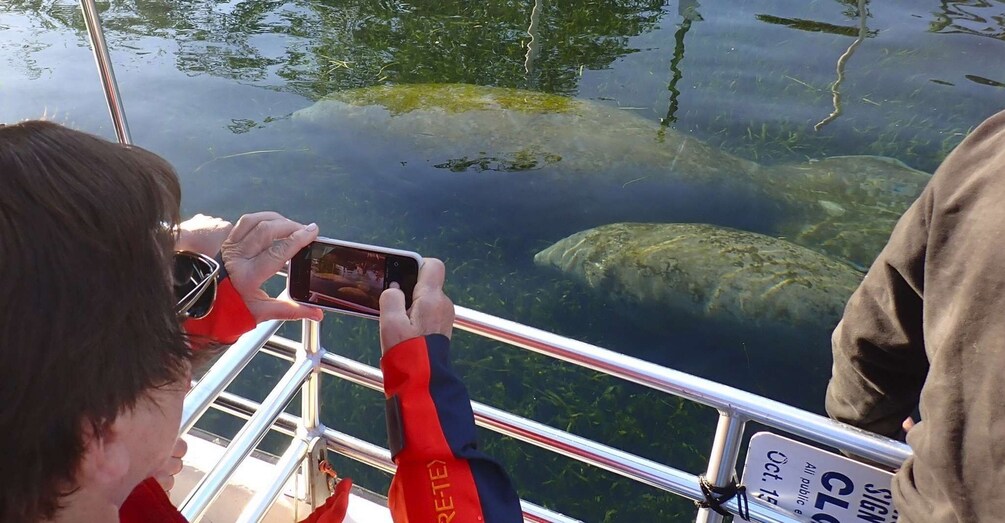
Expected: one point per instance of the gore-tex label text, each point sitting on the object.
(439, 481)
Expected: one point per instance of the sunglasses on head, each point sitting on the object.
(194, 278)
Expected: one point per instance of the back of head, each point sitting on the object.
(87, 320)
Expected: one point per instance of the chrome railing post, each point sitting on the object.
(722, 460)
(223, 372)
(735, 407)
(209, 487)
(260, 504)
(310, 401)
(637, 468)
(105, 71)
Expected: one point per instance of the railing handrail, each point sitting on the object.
(700, 390)
(543, 436)
(732, 403)
(354, 448)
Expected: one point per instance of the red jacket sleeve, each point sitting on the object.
(229, 319)
(442, 476)
(148, 503)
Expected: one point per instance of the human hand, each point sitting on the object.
(431, 313)
(907, 424)
(256, 249)
(165, 475)
(202, 234)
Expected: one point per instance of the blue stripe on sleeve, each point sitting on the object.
(500, 503)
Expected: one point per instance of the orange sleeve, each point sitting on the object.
(229, 319)
(441, 476)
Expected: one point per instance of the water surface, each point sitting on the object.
(211, 86)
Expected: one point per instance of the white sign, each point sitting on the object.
(815, 484)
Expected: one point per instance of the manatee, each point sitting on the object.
(842, 206)
(496, 128)
(708, 271)
(845, 206)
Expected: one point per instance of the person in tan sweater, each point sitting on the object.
(926, 330)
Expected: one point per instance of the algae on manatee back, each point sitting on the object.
(454, 98)
(708, 271)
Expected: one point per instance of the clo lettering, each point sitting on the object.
(835, 483)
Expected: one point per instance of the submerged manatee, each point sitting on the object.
(709, 271)
(470, 127)
(843, 206)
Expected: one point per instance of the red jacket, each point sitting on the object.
(442, 476)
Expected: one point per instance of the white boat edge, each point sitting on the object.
(255, 473)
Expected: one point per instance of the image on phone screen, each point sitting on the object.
(347, 278)
(350, 277)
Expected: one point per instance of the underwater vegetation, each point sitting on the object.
(481, 275)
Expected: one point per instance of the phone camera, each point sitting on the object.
(396, 264)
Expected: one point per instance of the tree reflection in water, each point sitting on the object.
(973, 17)
(332, 46)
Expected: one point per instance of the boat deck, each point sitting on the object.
(254, 474)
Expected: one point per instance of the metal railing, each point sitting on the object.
(105, 71)
(735, 408)
(310, 437)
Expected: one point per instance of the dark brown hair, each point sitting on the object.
(87, 321)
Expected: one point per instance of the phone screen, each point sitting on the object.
(348, 278)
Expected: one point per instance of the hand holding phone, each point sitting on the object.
(431, 313)
(258, 246)
(349, 277)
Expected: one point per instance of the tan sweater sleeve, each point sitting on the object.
(879, 354)
(929, 316)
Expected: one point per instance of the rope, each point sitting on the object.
(715, 497)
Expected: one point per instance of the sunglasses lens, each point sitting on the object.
(204, 304)
(184, 275)
(194, 285)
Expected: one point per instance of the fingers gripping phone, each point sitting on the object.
(349, 277)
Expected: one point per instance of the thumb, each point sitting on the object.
(395, 326)
(392, 303)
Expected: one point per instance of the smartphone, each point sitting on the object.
(348, 277)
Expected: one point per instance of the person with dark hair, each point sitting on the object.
(84, 299)
(95, 360)
(924, 330)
